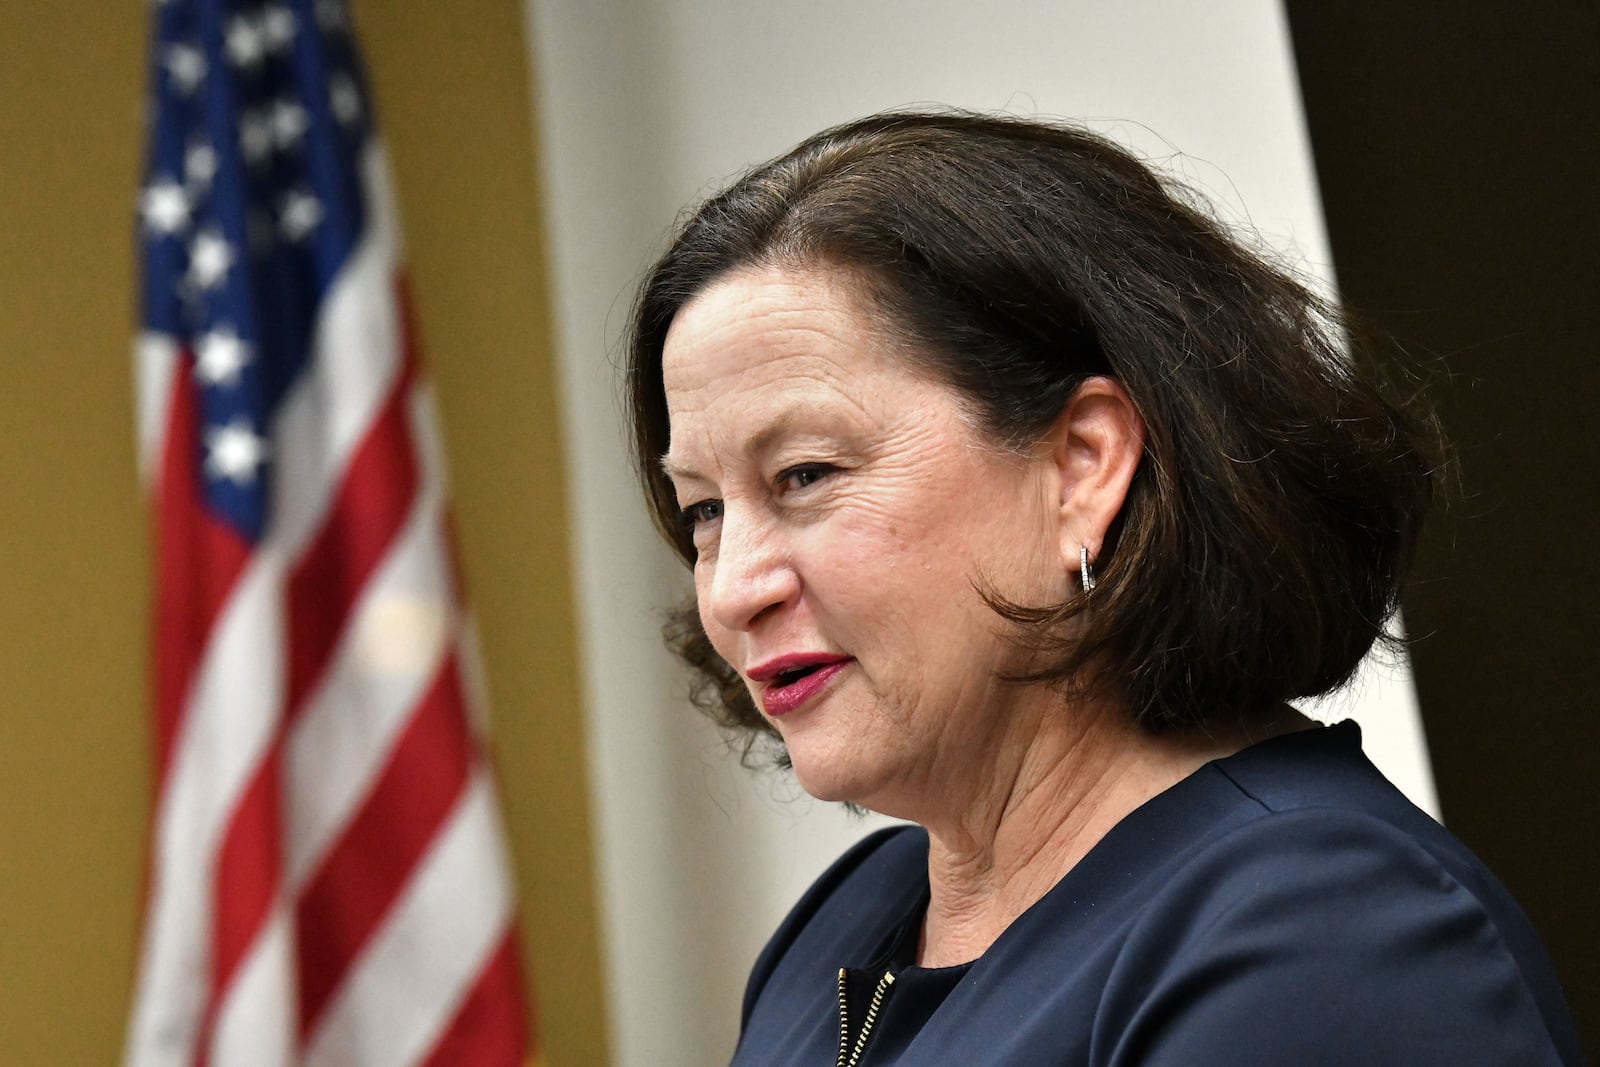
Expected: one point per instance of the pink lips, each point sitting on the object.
(779, 698)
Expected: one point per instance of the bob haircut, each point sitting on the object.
(1281, 491)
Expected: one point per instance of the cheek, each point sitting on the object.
(888, 580)
(920, 572)
(859, 569)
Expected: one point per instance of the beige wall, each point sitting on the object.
(451, 82)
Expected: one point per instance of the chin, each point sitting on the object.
(843, 781)
(830, 778)
(839, 757)
(825, 786)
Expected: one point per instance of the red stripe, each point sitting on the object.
(249, 867)
(366, 515)
(198, 560)
(368, 866)
(489, 1029)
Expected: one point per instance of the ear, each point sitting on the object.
(1096, 444)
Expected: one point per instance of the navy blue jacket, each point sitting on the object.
(1286, 905)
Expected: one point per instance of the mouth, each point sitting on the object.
(793, 675)
(790, 681)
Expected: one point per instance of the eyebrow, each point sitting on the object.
(758, 442)
(672, 470)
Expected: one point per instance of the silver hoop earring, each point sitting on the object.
(1085, 572)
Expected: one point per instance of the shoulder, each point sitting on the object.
(862, 894)
(1336, 929)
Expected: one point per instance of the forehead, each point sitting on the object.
(780, 331)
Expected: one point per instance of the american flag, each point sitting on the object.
(327, 878)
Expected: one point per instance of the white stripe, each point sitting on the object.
(356, 355)
(237, 699)
(399, 632)
(256, 1025)
(407, 986)
(155, 364)
(231, 719)
(469, 653)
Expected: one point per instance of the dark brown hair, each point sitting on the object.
(1282, 490)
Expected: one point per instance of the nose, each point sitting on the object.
(752, 575)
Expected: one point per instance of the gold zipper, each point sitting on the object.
(866, 1027)
(844, 1022)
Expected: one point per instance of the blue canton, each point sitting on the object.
(250, 206)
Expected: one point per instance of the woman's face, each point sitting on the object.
(845, 512)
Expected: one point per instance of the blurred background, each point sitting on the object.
(1436, 161)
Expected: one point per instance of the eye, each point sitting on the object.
(806, 474)
(699, 513)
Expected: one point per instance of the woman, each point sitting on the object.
(1020, 500)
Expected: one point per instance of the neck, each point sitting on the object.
(1048, 802)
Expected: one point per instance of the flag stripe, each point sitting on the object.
(156, 361)
(255, 1024)
(246, 882)
(225, 733)
(197, 563)
(357, 353)
(370, 507)
(476, 1035)
(407, 986)
(366, 870)
(389, 656)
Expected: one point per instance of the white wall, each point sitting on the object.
(642, 108)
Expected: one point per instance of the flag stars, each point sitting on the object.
(298, 214)
(344, 98)
(289, 122)
(282, 125)
(246, 42)
(200, 165)
(220, 356)
(277, 27)
(186, 66)
(255, 136)
(210, 258)
(164, 207)
(235, 452)
(330, 14)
